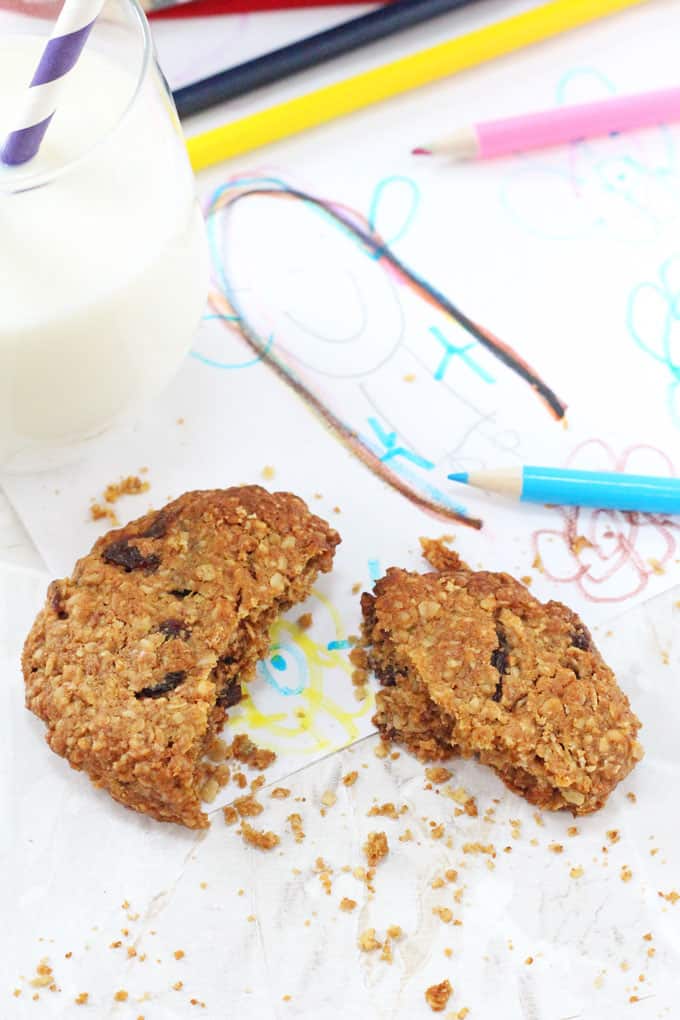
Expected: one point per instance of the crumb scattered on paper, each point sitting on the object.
(437, 996)
(255, 837)
(130, 486)
(376, 848)
(100, 513)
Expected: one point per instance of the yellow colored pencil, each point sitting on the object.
(393, 79)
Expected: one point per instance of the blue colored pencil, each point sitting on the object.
(607, 490)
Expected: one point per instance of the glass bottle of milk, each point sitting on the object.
(103, 256)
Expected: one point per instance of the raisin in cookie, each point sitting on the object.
(134, 658)
(471, 664)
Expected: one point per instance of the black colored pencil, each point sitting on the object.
(309, 52)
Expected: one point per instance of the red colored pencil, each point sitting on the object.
(207, 8)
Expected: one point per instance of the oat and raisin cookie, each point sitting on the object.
(134, 659)
(471, 664)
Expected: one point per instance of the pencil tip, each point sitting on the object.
(420, 151)
(459, 476)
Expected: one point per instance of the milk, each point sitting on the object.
(103, 270)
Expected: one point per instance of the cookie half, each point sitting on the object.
(472, 664)
(134, 659)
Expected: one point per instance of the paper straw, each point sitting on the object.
(59, 57)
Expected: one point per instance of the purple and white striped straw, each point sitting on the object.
(59, 57)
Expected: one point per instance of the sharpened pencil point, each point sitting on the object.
(420, 151)
(459, 476)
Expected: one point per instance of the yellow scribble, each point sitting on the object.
(317, 702)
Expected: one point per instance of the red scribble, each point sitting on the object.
(600, 551)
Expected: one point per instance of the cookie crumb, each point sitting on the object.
(121, 995)
(45, 975)
(81, 998)
(280, 793)
(576, 872)
(248, 807)
(99, 513)
(328, 799)
(437, 996)
(367, 941)
(178, 954)
(356, 587)
(376, 848)
(479, 848)
(671, 897)
(383, 810)
(556, 848)
(410, 377)
(324, 873)
(631, 797)
(268, 472)
(444, 914)
(626, 873)
(230, 815)
(347, 904)
(572, 830)
(295, 821)
(262, 840)
(130, 486)
(438, 774)
(350, 779)
(246, 751)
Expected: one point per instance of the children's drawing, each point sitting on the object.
(654, 323)
(348, 325)
(302, 702)
(600, 551)
(626, 186)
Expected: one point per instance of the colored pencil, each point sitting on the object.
(208, 8)
(309, 52)
(558, 127)
(606, 490)
(393, 79)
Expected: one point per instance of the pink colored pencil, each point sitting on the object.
(558, 127)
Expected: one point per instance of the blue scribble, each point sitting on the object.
(628, 185)
(389, 441)
(428, 489)
(450, 351)
(374, 571)
(283, 657)
(378, 195)
(231, 365)
(336, 646)
(659, 336)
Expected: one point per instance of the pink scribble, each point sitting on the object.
(609, 555)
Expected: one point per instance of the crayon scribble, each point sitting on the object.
(625, 185)
(306, 718)
(387, 464)
(599, 550)
(654, 324)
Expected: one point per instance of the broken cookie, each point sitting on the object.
(471, 664)
(134, 659)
